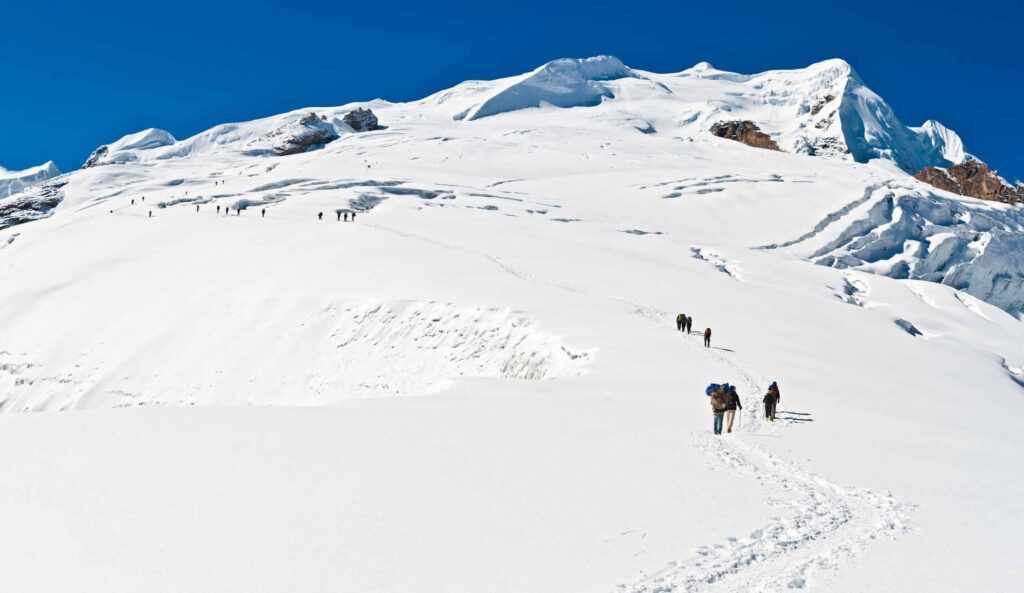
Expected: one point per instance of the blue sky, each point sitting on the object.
(80, 74)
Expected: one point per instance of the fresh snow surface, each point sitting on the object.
(478, 385)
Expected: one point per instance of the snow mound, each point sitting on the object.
(144, 140)
(561, 83)
(125, 150)
(15, 181)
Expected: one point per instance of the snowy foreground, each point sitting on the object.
(478, 385)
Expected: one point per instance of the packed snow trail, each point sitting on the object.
(824, 524)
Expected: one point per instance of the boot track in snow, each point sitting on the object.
(820, 525)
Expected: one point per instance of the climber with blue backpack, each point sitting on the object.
(719, 395)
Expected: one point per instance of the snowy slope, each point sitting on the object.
(477, 385)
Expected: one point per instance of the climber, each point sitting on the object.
(732, 401)
(353, 217)
(197, 207)
(718, 403)
(689, 324)
(707, 338)
(263, 213)
(218, 208)
(681, 321)
(771, 401)
(320, 216)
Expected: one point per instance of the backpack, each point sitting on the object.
(718, 400)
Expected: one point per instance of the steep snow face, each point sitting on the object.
(561, 83)
(944, 144)
(14, 181)
(872, 131)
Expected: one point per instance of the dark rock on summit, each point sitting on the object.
(362, 120)
(96, 157)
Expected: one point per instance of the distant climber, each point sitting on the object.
(263, 213)
(707, 338)
(218, 208)
(689, 324)
(197, 207)
(151, 214)
(346, 216)
(144, 198)
(718, 403)
(732, 401)
(353, 217)
(681, 321)
(133, 201)
(320, 215)
(771, 401)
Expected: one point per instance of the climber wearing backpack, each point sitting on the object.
(681, 321)
(707, 338)
(732, 401)
(689, 324)
(719, 398)
(771, 401)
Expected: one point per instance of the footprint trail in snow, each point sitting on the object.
(821, 523)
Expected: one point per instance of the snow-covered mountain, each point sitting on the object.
(15, 181)
(476, 382)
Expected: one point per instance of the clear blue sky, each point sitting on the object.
(79, 74)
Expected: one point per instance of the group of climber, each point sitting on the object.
(340, 213)
(684, 324)
(725, 401)
(263, 212)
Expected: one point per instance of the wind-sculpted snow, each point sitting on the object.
(562, 83)
(368, 349)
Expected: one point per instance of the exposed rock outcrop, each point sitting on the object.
(32, 203)
(96, 158)
(308, 132)
(362, 120)
(746, 132)
(972, 178)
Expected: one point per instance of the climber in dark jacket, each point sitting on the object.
(689, 324)
(732, 401)
(681, 321)
(771, 401)
(707, 338)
